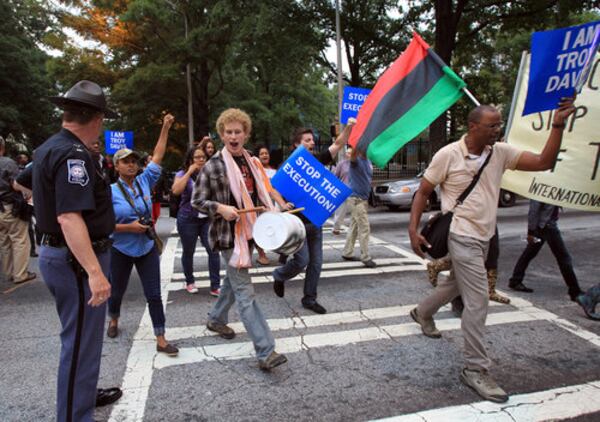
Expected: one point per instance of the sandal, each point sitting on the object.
(28, 277)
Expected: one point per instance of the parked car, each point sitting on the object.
(399, 194)
(507, 198)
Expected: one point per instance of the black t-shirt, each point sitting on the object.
(248, 179)
(67, 179)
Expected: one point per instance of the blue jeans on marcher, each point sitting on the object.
(550, 234)
(237, 287)
(309, 256)
(148, 268)
(190, 228)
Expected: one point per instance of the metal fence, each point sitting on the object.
(408, 162)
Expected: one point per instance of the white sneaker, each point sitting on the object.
(191, 288)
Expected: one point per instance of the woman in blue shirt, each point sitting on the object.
(132, 242)
(191, 223)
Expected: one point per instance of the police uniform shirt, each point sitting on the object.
(67, 179)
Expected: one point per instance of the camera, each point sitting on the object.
(147, 221)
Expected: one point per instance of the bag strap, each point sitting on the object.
(130, 200)
(469, 188)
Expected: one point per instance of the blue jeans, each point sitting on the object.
(237, 286)
(71, 304)
(148, 268)
(190, 228)
(550, 234)
(309, 256)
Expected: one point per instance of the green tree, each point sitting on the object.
(24, 86)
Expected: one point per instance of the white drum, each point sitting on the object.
(281, 233)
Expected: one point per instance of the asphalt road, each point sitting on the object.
(364, 360)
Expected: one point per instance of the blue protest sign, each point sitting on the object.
(116, 140)
(352, 101)
(557, 60)
(303, 180)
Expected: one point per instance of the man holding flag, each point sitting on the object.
(473, 224)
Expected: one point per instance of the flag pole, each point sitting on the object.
(513, 104)
(471, 97)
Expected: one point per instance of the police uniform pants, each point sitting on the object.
(81, 335)
(468, 278)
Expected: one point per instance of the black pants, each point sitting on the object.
(550, 234)
(491, 261)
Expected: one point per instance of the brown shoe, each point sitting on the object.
(112, 331)
(273, 361)
(169, 349)
(223, 330)
(427, 325)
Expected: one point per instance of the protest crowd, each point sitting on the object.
(95, 220)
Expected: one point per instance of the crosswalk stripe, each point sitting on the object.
(201, 252)
(555, 404)
(542, 314)
(327, 243)
(268, 269)
(324, 275)
(138, 373)
(307, 321)
(245, 350)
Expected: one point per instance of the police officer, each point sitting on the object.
(73, 210)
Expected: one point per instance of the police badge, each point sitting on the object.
(77, 173)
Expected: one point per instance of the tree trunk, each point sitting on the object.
(446, 24)
(201, 107)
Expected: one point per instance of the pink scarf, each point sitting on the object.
(241, 257)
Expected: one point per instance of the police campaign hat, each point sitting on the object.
(124, 153)
(88, 94)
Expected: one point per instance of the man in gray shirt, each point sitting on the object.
(360, 176)
(14, 239)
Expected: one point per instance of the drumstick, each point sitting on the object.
(294, 211)
(245, 210)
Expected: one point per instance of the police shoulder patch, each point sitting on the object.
(77, 174)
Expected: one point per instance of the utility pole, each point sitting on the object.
(338, 40)
(340, 81)
(190, 105)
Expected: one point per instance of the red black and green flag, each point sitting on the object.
(407, 98)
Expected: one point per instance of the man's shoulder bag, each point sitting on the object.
(436, 229)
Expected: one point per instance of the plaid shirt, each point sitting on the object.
(210, 190)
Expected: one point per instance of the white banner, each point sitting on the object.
(574, 182)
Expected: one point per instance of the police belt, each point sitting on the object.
(58, 241)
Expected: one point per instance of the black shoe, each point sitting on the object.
(369, 263)
(106, 396)
(457, 306)
(279, 288)
(350, 258)
(520, 287)
(33, 254)
(315, 307)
